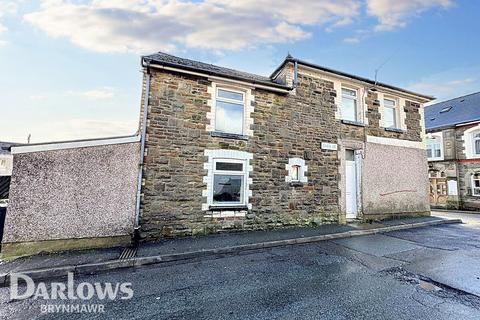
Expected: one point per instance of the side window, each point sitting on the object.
(349, 107)
(296, 169)
(230, 110)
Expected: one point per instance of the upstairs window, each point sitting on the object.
(476, 143)
(230, 110)
(349, 104)
(434, 148)
(476, 185)
(229, 178)
(390, 113)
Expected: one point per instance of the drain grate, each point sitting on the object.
(128, 253)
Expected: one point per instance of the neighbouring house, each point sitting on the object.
(6, 164)
(72, 194)
(453, 150)
(230, 150)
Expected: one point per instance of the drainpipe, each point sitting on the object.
(295, 74)
(136, 234)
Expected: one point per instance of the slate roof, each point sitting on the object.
(463, 109)
(289, 58)
(5, 146)
(168, 60)
(192, 65)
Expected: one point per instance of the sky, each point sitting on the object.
(71, 69)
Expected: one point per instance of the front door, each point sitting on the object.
(438, 192)
(350, 184)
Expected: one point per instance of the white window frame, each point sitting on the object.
(243, 173)
(474, 140)
(438, 137)
(358, 105)
(232, 156)
(302, 169)
(248, 107)
(395, 112)
(477, 189)
(468, 140)
(232, 101)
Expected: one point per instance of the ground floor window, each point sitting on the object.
(476, 185)
(229, 182)
(296, 169)
(227, 179)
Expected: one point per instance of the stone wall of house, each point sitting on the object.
(86, 192)
(388, 188)
(284, 126)
(465, 172)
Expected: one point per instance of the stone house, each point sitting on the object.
(453, 150)
(230, 150)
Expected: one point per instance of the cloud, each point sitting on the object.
(80, 128)
(393, 14)
(445, 89)
(95, 94)
(352, 40)
(151, 25)
(6, 8)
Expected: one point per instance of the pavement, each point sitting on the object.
(468, 217)
(49, 265)
(418, 273)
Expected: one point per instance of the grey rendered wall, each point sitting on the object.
(395, 181)
(85, 192)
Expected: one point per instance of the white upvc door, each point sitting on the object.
(350, 184)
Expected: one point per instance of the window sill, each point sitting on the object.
(434, 159)
(220, 207)
(353, 123)
(395, 130)
(296, 184)
(225, 135)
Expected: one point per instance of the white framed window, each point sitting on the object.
(435, 147)
(390, 113)
(476, 184)
(227, 179)
(229, 110)
(476, 143)
(349, 105)
(296, 169)
(471, 140)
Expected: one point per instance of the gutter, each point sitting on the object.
(216, 76)
(141, 165)
(425, 98)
